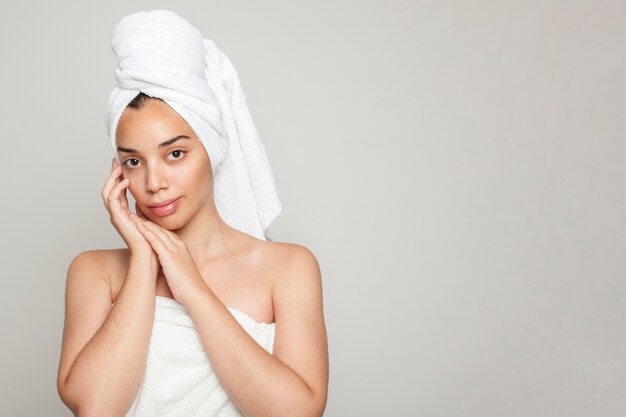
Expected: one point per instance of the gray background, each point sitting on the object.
(458, 168)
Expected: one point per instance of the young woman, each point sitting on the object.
(194, 317)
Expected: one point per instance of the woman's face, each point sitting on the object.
(164, 160)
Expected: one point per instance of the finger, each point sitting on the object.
(164, 235)
(111, 182)
(173, 236)
(113, 198)
(114, 165)
(158, 231)
(155, 241)
(124, 198)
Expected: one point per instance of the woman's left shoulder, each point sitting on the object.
(287, 255)
(295, 270)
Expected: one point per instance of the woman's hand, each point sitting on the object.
(179, 268)
(114, 196)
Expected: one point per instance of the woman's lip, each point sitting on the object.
(166, 209)
(166, 202)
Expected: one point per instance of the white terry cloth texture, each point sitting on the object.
(179, 380)
(162, 55)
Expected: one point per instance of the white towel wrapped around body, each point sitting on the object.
(179, 380)
(163, 55)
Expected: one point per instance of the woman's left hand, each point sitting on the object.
(180, 269)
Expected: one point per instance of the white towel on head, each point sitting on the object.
(163, 55)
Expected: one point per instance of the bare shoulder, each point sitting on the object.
(87, 263)
(106, 264)
(287, 258)
(296, 270)
(288, 252)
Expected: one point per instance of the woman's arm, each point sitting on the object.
(294, 380)
(104, 351)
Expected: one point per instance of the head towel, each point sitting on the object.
(164, 56)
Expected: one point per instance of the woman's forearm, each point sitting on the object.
(107, 374)
(258, 383)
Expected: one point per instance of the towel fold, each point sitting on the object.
(164, 56)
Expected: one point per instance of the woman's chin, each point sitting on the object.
(169, 223)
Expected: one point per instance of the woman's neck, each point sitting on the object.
(206, 235)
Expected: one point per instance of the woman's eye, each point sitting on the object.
(177, 153)
(133, 162)
(130, 159)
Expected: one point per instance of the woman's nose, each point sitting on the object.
(156, 179)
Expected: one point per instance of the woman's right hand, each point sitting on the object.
(114, 196)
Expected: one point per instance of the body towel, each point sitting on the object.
(179, 380)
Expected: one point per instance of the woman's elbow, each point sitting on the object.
(67, 399)
(77, 404)
(316, 405)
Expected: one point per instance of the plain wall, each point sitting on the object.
(458, 168)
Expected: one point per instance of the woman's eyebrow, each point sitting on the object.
(167, 142)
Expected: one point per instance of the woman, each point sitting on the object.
(194, 317)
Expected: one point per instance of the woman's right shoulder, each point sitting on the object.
(103, 258)
(108, 263)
